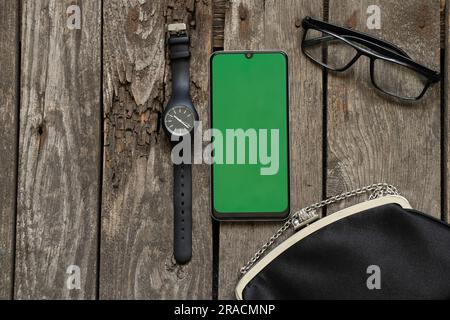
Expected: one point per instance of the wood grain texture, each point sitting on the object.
(443, 23)
(277, 25)
(8, 140)
(59, 150)
(446, 109)
(219, 9)
(372, 138)
(137, 215)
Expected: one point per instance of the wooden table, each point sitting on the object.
(86, 177)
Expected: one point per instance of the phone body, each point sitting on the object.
(249, 103)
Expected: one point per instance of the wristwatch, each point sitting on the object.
(178, 120)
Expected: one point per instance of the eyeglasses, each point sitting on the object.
(392, 70)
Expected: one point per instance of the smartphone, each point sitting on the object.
(249, 116)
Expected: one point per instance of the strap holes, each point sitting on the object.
(182, 194)
(182, 203)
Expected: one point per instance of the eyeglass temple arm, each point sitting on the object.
(344, 32)
(312, 42)
(318, 40)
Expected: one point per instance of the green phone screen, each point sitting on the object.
(249, 115)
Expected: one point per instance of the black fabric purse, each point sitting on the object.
(378, 249)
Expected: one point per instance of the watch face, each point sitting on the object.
(179, 120)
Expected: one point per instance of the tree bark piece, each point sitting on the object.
(137, 216)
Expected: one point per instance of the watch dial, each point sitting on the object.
(179, 120)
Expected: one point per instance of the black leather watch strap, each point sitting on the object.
(179, 54)
(182, 205)
(179, 60)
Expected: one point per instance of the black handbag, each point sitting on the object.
(378, 249)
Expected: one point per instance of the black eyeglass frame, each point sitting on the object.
(382, 50)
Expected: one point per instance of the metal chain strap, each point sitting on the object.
(377, 190)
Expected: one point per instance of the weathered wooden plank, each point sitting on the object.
(9, 52)
(446, 110)
(59, 150)
(277, 25)
(137, 217)
(443, 23)
(219, 8)
(373, 138)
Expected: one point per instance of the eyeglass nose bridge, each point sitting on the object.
(351, 63)
(361, 51)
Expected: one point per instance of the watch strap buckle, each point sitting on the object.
(178, 41)
(177, 29)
